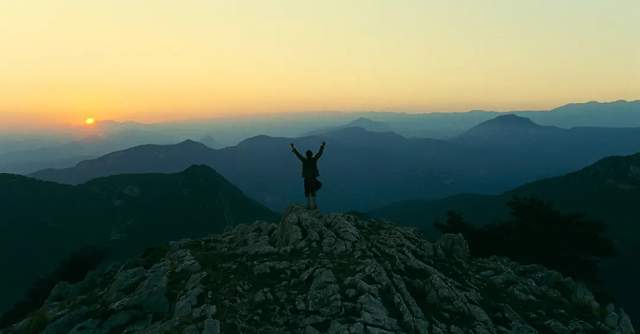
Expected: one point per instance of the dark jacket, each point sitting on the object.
(309, 165)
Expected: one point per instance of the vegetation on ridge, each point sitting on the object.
(537, 233)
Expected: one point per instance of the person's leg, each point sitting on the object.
(309, 202)
(312, 202)
(307, 192)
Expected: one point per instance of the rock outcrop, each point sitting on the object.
(316, 273)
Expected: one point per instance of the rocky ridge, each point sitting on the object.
(316, 273)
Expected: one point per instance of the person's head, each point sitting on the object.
(309, 154)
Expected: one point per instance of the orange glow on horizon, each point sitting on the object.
(154, 61)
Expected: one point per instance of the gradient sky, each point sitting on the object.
(154, 60)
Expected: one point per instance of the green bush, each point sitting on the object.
(538, 233)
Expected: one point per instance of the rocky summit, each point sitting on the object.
(322, 273)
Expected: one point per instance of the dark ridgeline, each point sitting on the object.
(42, 222)
(139, 159)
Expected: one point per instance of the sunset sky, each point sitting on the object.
(62, 61)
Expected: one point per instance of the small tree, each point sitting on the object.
(454, 224)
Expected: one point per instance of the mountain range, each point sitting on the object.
(42, 222)
(364, 169)
(24, 154)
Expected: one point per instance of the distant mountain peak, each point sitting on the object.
(200, 169)
(190, 142)
(509, 120)
(349, 129)
(503, 124)
(209, 141)
(369, 124)
(363, 119)
(363, 123)
(358, 133)
(508, 130)
(260, 140)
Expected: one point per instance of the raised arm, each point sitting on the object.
(293, 149)
(319, 154)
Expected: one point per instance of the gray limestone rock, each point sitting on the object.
(316, 273)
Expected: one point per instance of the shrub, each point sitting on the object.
(538, 233)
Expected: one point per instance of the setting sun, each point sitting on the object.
(89, 121)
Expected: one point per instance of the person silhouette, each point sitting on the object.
(310, 174)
